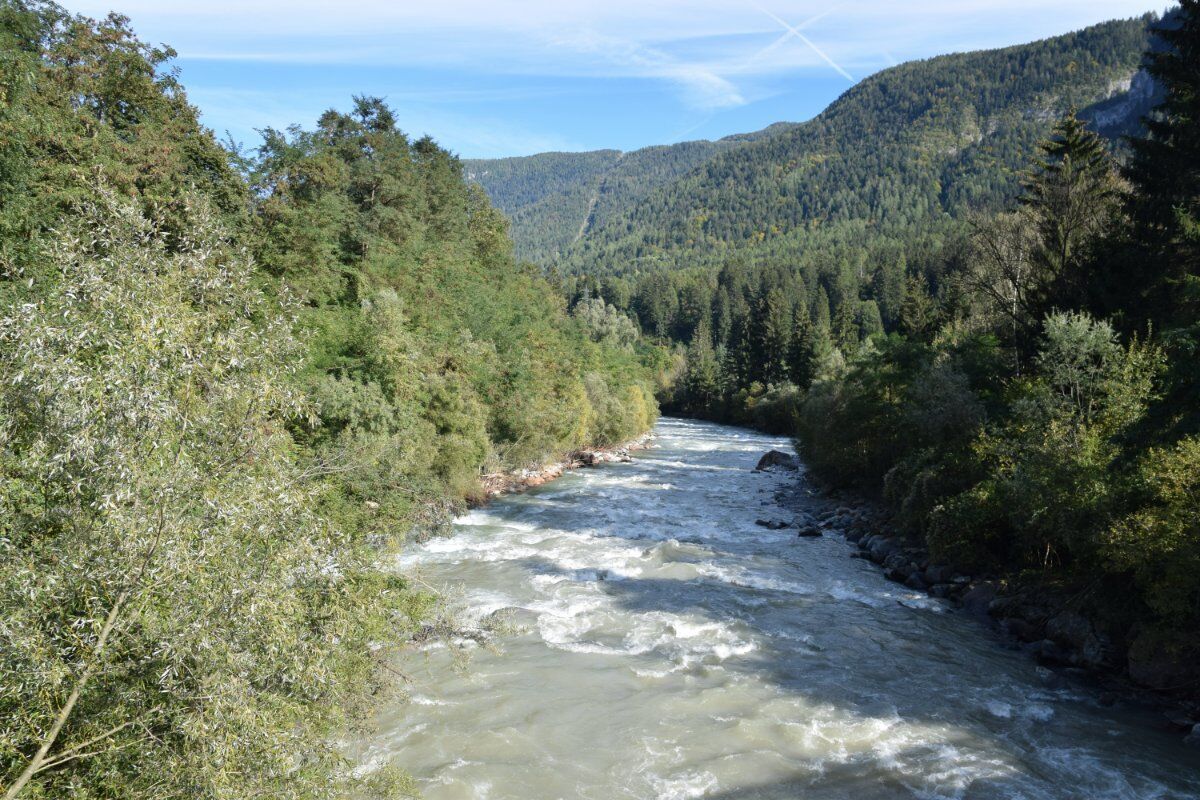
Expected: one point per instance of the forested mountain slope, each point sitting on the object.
(555, 199)
(902, 149)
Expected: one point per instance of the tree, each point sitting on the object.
(917, 310)
(701, 382)
(1072, 196)
(1165, 203)
(773, 339)
(1001, 274)
(604, 323)
(738, 368)
(803, 353)
(183, 620)
(845, 326)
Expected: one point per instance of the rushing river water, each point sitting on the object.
(664, 646)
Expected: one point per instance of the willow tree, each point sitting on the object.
(178, 621)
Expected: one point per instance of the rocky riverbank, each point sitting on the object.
(501, 483)
(1051, 626)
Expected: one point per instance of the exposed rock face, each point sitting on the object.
(777, 459)
(1129, 100)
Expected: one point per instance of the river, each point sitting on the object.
(659, 644)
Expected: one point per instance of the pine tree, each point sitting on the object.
(916, 312)
(774, 337)
(821, 317)
(845, 327)
(738, 366)
(1165, 173)
(1071, 196)
(802, 355)
(701, 383)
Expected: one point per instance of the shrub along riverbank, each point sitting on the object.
(229, 384)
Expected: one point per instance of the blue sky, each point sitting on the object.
(505, 78)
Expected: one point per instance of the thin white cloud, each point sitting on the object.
(716, 54)
(521, 36)
(702, 86)
(480, 136)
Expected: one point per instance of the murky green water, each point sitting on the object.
(674, 649)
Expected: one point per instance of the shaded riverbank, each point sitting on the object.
(663, 645)
(1046, 622)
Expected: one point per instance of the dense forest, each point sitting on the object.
(904, 151)
(555, 199)
(1018, 386)
(230, 383)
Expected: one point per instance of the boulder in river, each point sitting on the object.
(771, 524)
(979, 597)
(809, 531)
(1074, 632)
(777, 459)
(881, 548)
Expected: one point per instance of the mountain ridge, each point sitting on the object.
(923, 140)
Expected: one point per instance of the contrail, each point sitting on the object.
(796, 32)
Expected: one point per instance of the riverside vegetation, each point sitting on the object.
(229, 383)
(1005, 355)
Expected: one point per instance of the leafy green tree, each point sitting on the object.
(604, 323)
(179, 618)
(1159, 542)
(82, 98)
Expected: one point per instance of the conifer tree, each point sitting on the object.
(738, 365)
(774, 324)
(916, 312)
(845, 327)
(701, 383)
(1165, 173)
(802, 354)
(1071, 197)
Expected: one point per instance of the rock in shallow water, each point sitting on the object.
(777, 459)
(771, 524)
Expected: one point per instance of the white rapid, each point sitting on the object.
(661, 645)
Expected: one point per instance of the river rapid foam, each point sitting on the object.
(659, 644)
